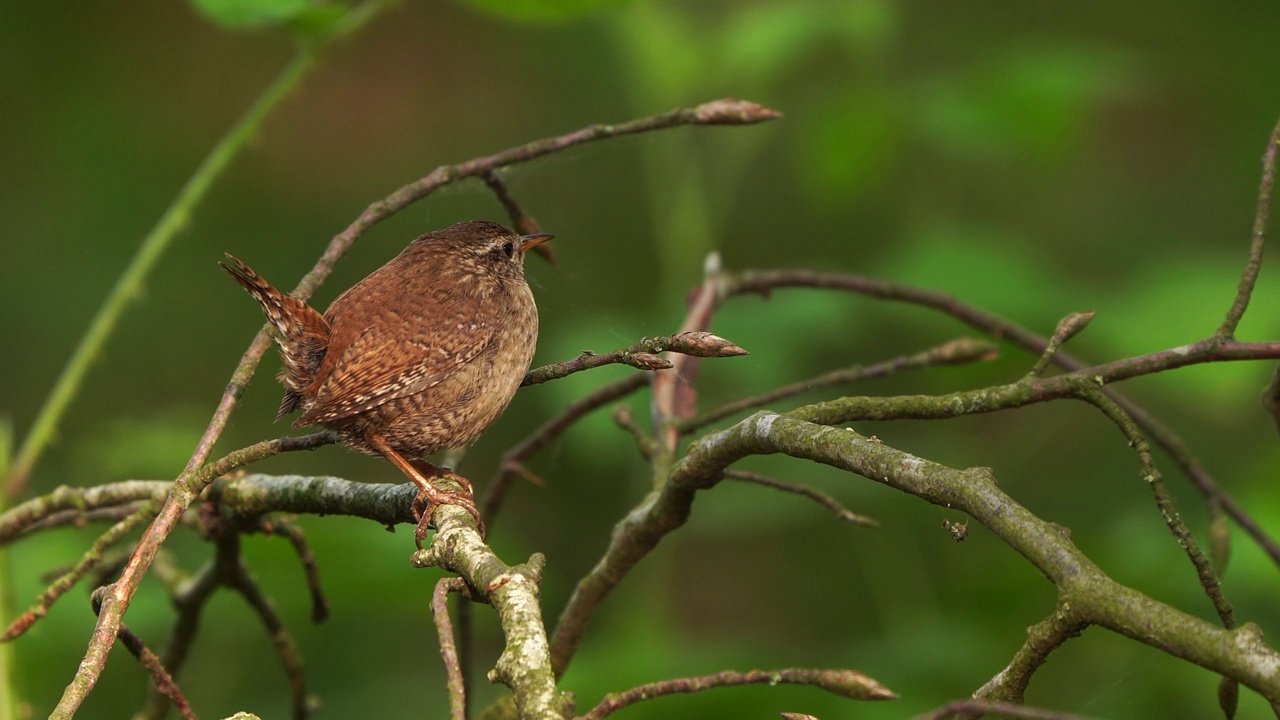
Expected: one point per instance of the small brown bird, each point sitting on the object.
(420, 356)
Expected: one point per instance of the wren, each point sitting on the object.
(420, 356)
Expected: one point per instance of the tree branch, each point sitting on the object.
(765, 282)
(817, 496)
(1010, 684)
(1261, 218)
(513, 592)
(515, 458)
(641, 355)
(845, 683)
(956, 352)
(1092, 596)
(448, 648)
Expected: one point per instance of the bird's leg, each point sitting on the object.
(429, 496)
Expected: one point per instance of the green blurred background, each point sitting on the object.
(1032, 159)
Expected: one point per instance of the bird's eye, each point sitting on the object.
(509, 249)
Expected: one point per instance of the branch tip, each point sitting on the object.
(646, 361)
(732, 111)
(705, 344)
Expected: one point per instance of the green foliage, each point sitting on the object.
(1029, 102)
(848, 148)
(304, 15)
(949, 258)
(145, 448)
(1029, 167)
(539, 11)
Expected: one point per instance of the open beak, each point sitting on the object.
(531, 241)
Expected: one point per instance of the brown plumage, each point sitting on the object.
(421, 355)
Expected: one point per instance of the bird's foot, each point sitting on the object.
(430, 497)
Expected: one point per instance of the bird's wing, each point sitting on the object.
(381, 365)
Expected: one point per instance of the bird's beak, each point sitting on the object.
(532, 241)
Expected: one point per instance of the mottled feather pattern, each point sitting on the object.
(423, 354)
(301, 333)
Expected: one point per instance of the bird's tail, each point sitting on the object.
(300, 331)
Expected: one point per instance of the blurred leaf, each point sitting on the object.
(791, 336)
(761, 41)
(870, 23)
(152, 448)
(665, 58)
(849, 148)
(538, 10)
(1032, 102)
(986, 269)
(1176, 298)
(317, 18)
(306, 15)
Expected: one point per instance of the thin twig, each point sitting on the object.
(642, 355)
(513, 592)
(1067, 328)
(625, 419)
(515, 458)
(448, 648)
(189, 598)
(243, 582)
(1261, 218)
(277, 524)
(87, 562)
(717, 112)
(1164, 502)
(126, 288)
(674, 397)
(19, 518)
(765, 282)
(975, 708)
(845, 683)
(80, 519)
(162, 679)
(823, 499)
(1046, 636)
(116, 597)
(521, 221)
(956, 352)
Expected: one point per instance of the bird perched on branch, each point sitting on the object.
(420, 356)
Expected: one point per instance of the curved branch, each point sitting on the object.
(524, 665)
(817, 496)
(1261, 218)
(764, 282)
(845, 683)
(642, 355)
(955, 352)
(1164, 502)
(513, 460)
(18, 519)
(1088, 594)
(1010, 684)
(448, 647)
(116, 596)
(1032, 390)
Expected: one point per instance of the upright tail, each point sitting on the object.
(301, 332)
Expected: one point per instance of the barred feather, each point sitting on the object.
(301, 333)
